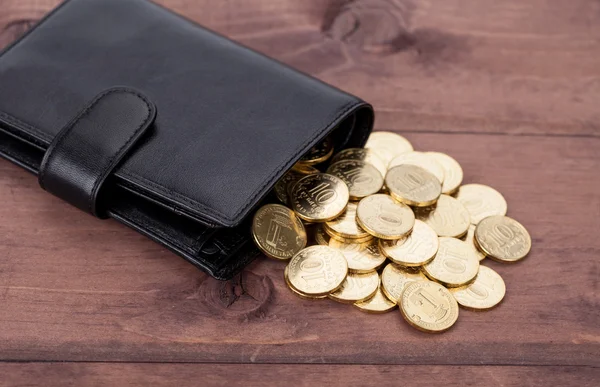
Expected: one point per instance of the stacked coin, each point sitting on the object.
(390, 226)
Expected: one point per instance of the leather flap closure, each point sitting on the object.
(88, 149)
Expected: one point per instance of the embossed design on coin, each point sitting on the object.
(422, 160)
(379, 303)
(413, 185)
(357, 287)
(387, 145)
(318, 153)
(278, 232)
(317, 270)
(296, 292)
(453, 173)
(320, 197)
(395, 277)
(345, 225)
(447, 218)
(384, 218)
(469, 238)
(502, 238)
(481, 201)
(485, 292)
(415, 249)
(362, 154)
(428, 306)
(361, 178)
(455, 263)
(361, 257)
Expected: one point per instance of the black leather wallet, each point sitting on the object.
(128, 111)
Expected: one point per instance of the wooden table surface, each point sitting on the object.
(510, 88)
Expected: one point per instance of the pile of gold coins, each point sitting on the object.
(389, 226)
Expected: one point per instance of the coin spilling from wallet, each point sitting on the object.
(385, 227)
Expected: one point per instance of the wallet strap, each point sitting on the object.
(88, 149)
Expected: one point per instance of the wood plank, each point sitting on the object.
(76, 288)
(441, 65)
(115, 374)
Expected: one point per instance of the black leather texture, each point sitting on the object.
(229, 123)
(79, 160)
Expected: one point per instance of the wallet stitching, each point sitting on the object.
(128, 186)
(18, 157)
(161, 234)
(217, 270)
(158, 234)
(49, 155)
(127, 144)
(23, 125)
(349, 106)
(50, 152)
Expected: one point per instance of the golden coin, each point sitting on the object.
(320, 236)
(419, 159)
(477, 248)
(415, 249)
(384, 218)
(296, 292)
(379, 303)
(362, 154)
(284, 186)
(502, 238)
(278, 232)
(481, 201)
(318, 153)
(345, 225)
(395, 277)
(357, 287)
(413, 185)
(305, 169)
(338, 238)
(319, 197)
(455, 263)
(361, 257)
(387, 145)
(317, 270)
(447, 218)
(362, 178)
(453, 173)
(428, 306)
(469, 238)
(485, 292)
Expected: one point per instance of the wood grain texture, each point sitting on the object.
(442, 65)
(510, 89)
(114, 374)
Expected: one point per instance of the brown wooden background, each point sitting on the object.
(510, 88)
